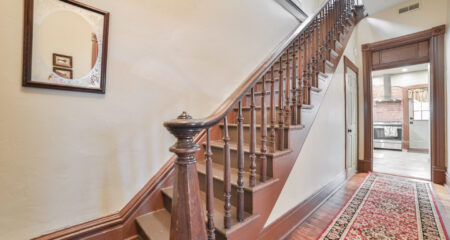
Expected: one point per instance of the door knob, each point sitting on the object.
(349, 130)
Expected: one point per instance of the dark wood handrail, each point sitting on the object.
(227, 106)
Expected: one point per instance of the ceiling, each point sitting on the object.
(407, 69)
(375, 6)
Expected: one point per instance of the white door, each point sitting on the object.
(419, 121)
(351, 115)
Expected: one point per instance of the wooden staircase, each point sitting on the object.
(236, 171)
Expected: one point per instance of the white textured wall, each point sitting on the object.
(389, 24)
(68, 157)
(322, 157)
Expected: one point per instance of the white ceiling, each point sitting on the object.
(400, 70)
(375, 6)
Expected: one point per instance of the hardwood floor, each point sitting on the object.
(314, 225)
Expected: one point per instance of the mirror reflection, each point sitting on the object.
(67, 41)
(67, 44)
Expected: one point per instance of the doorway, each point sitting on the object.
(351, 116)
(401, 121)
(422, 47)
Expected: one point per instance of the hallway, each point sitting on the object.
(318, 221)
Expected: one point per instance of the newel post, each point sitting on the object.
(188, 221)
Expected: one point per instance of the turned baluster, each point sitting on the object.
(329, 30)
(287, 108)
(281, 107)
(310, 65)
(272, 111)
(252, 178)
(209, 189)
(319, 47)
(226, 176)
(187, 223)
(262, 157)
(294, 118)
(306, 74)
(313, 51)
(305, 70)
(240, 149)
(299, 99)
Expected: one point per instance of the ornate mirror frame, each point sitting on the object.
(28, 50)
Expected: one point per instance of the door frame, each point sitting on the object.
(348, 63)
(406, 119)
(376, 57)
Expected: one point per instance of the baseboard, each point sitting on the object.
(122, 225)
(283, 226)
(364, 166)
(447, 181)
(439, 176)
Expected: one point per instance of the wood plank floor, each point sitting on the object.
(314, 225)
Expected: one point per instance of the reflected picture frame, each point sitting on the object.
(28, 50)
(64, 61)
(63, 72)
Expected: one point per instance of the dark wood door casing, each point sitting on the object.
(417, 48)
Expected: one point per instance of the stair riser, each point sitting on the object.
(233, 132)
(246, 113)
(268, 86)
(168, 205)
(218, 192)
(267, 98)
(218, 157)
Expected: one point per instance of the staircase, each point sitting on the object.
(227, 182)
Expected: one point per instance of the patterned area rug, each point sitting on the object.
(388, 207)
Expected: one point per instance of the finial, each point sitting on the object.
(184, 115)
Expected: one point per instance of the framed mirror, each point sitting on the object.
(65, 46)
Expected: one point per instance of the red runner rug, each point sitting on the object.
(388, 207)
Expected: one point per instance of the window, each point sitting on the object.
(421, 110)
(420, 104)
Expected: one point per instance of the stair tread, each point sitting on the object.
(333, 52)
(340, 44)
(329, 63)
(155, 225)
(219, 213)
(217, 170)
(316, 89)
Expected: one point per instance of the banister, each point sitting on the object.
(227, 106)
(187, 218)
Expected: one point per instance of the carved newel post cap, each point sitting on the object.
(185, 146)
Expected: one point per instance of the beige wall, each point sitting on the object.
(313, 168)
(69, 157)
(389, 24)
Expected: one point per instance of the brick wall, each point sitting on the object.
(387, 111)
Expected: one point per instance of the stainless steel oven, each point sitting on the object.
(387, 135)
